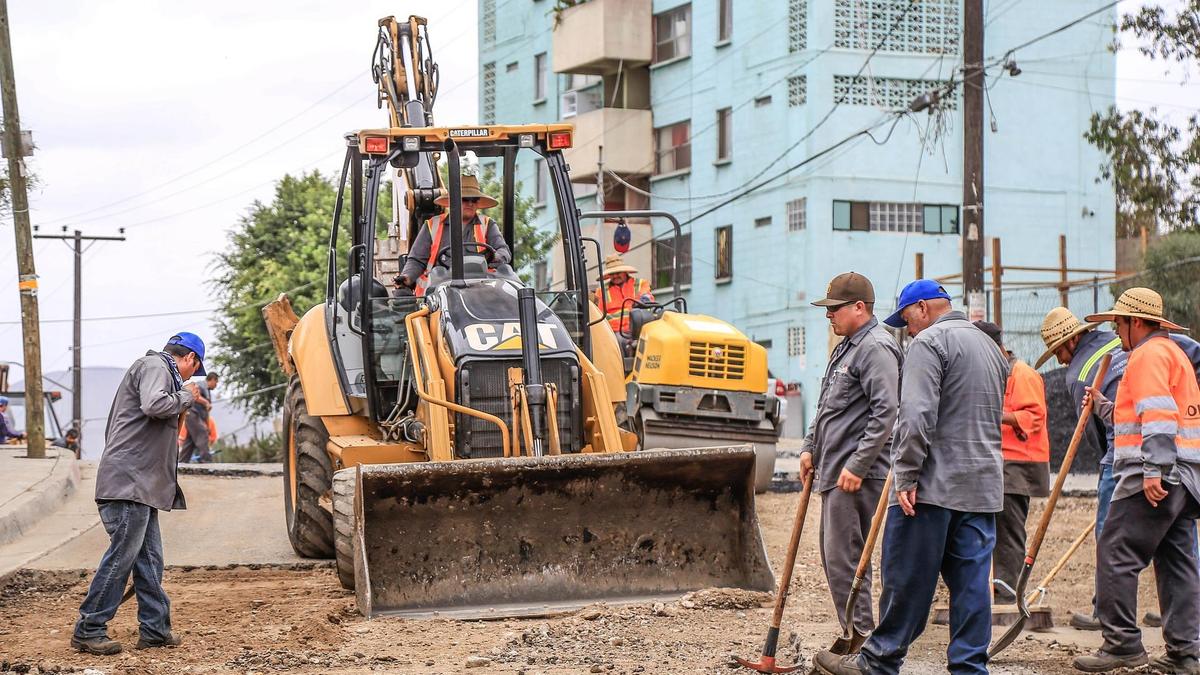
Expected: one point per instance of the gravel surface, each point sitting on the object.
(297, 620)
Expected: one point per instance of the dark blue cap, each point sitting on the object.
(915, 291)
(192, 342)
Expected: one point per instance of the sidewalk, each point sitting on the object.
(33, 488)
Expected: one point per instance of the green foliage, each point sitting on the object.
(1153, 164)
(268, 448)
(277, 247)
(1171, 267)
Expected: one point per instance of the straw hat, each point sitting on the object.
(615, 264)
(1059, 326)
(1139, 303)
(470, 190)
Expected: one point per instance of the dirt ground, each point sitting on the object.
(297, 620)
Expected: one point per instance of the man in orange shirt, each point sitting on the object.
(621, 289)
(1026, 446)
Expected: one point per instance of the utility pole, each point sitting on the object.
(77, 345)
(972, 230)
(16, 151)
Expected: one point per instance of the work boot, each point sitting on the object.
(1085, 621)
(1152, 620)
(101, 645)
(1176, 665)
(1101, 661)
(171, 640)
(836, 664)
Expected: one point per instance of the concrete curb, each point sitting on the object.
(231, 470)
(41, 498)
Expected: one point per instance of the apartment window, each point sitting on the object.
(797, 25)
(541, 182)
(797, 90)
(725, 20)
(723, 268)
(765, 344)
(762, 222)
(940, 219)
(929, 27)
(895, 217)
(762, 101)
(489, 93)
(488, 19)
(724, 134)
(673, 147)
(512, 67)
(662, 270)
(892, 93)
(539, 77)
(672, 34)
(797, 214)
(795, 340)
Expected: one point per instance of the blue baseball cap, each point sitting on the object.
(192, 342)
(915, 291)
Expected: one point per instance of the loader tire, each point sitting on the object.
(343, 526)
(307, 478)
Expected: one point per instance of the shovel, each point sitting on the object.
(1035, 544)
(852, 640)
(766, 662)
(1037, 595)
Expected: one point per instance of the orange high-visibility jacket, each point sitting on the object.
(633, 289)
(1156, 421)
(1025, 397)
(435, 233)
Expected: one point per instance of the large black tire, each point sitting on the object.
(343, 526)
(308, 475)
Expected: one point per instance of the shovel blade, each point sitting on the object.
(1022, 606)
(766, 665)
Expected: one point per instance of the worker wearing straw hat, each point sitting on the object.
(1152, 518)
(621, 289)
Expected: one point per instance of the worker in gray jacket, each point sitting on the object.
(137, 479)
(949, 486)
(848, 439)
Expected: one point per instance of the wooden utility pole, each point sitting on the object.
(997, 295)
(919, 265)
(77, 344)
(14, 150)
(972, 230)
(1063, 290)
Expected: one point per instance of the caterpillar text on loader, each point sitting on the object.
(692, 378)
(458, 453)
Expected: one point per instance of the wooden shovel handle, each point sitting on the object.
(864, 560)
(1062, 562)
(785, 580)
(1035, 544)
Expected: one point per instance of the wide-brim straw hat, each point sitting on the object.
(615, 264)
(1138, 303)
(1059, 326)
(470, 189)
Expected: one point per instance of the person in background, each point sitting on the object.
(69, 440)
(621, 288)
(7, 432)
(1025, 441)
(196, 447)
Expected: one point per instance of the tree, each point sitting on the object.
(1154, 165)
(1171, 267)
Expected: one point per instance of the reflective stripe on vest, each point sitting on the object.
(616, 304)
(435, 232)
(1085, 373)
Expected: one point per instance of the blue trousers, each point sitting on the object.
(1104, 492)
(958, 546)
(135, 547)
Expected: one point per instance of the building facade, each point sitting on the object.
(735, 117)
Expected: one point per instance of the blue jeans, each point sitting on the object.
(956, 544)
(135, 546)
(1104, 493)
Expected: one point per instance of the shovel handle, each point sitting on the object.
(864, 560)
(785, 579)
(1035, 544)
(1062, 562)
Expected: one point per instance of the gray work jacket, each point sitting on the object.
(857, 408)
(419, 258)
(141, 442)
(947, 443)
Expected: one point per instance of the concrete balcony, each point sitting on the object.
(596, 37)
(626, 135)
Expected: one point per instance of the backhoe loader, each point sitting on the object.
(457, 452)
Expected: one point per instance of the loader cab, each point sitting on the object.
(365, 321)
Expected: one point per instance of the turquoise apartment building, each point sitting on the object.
(687, 104)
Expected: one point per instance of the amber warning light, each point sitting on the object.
(560, 140)
(376, 145)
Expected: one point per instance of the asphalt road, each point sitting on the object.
(228, 521)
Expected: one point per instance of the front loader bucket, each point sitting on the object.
(531, 536)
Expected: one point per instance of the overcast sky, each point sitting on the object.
(170, 118)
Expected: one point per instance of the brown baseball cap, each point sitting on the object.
(845, 288)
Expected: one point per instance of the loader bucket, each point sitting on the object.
(534, 536)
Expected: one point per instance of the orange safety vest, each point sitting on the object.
(1157, 415)
(435, 232)
(617, 295)
(1025, 397)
